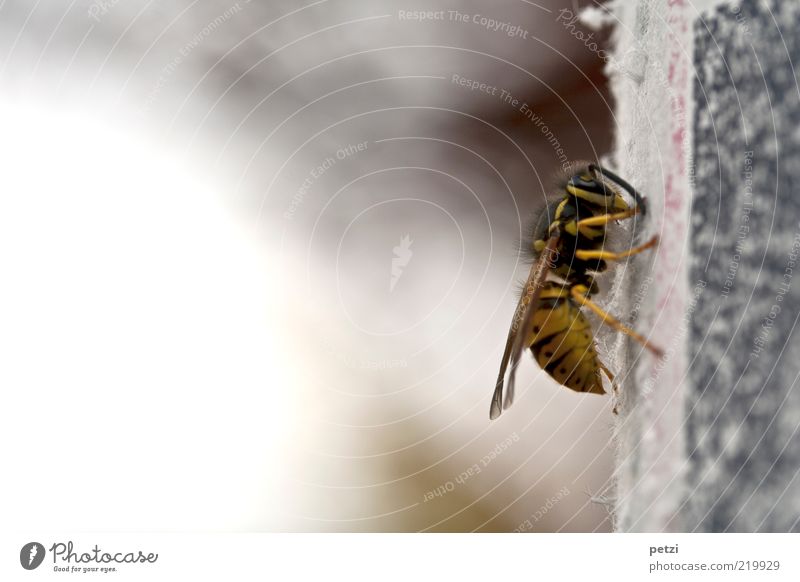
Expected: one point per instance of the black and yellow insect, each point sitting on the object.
(568, 245)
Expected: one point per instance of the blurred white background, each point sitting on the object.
(259, 261)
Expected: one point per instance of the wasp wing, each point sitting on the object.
(522, 325)
(497, 398)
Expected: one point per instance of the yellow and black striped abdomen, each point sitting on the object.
(562, 341)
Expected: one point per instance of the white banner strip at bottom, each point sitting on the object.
(401, 557)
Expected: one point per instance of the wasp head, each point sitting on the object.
(595, 191)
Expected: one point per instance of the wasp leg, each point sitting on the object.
(609, 375)
(614, 322)
(611, 256)
(606, 218)
(614, 386)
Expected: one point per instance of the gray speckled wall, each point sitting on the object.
(743, 400)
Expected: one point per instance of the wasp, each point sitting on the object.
(568, 247)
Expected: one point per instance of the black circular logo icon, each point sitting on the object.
(31, 555)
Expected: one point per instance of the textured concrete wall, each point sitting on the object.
(651, 80)
(708, 114)
(743, 402)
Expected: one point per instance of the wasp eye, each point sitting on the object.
(586, 183)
